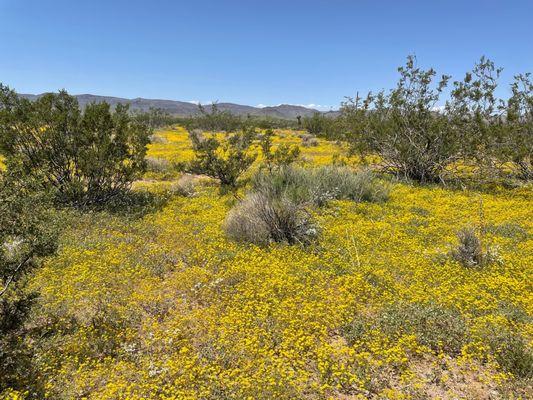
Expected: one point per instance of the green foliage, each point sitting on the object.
(435, 326)
(512, 351)
(27, 233)
(419, 135)
(277, 208)
(317, 186)
(155, 118)
(516, 142)
(214, 120)
(87, 158)
(319, 124)
(283, 155)
(403, 128)
(223, 160)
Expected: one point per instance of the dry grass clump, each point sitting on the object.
(277, 208)
(157, 139)
(261, 219)
(309, 140)
(158, 165)
(185, 186)
(470, 252)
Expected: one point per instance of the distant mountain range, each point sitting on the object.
(183, 108)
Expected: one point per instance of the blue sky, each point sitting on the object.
(252, 52)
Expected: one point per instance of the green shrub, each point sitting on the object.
(317, 186)
(214, 120)
(27, 233)
(435, 326)
(223, 160)
(516, 142)
(87, 158)
(512, 352)
(283, 155)
(414, 138)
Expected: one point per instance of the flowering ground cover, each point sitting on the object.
(166, 306)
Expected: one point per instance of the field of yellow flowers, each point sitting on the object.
(166, 307)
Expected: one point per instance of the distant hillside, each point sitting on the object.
(183, 108)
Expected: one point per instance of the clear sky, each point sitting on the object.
(251, 52)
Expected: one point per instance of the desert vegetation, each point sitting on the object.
(383, 252)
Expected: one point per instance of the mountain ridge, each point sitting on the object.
(184, 108)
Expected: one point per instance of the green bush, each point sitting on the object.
(512, 352)
(87, 158)
(282, 156)
(317, 186)
(223, 160)
(435, 326)
(414, 134)
(27, 233)
(516, 142)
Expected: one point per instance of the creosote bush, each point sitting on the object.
(282, 156)
(223, 160)
(27, 233)
(86, 157)
(421, 135)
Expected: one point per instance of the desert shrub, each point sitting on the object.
(470, 252)
(261, 219)
(270, 123)
(223, 160)
(154, 118)
(344, 183)
(185, 186)
(516, 141)
(435, 326)
(86, 157)
(309, 141)
(158, 139)
(276, 210)
(412, 136)
(509, 230)
(282, 156)
(214, 120)
(317, 186)
(157, 165)
(320, 124)
(512, 352)
(27, 233)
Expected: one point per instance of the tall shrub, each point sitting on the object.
(87, 157)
